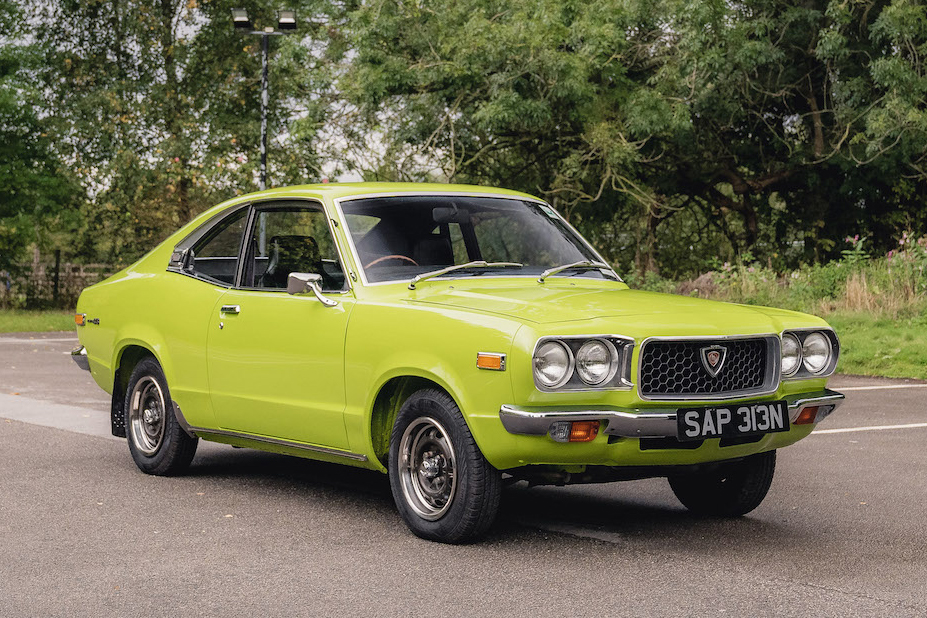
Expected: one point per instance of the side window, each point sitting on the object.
(291, 239)
(216, 254)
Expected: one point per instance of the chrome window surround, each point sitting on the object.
(770, 380)
(360, 267)
(802, 373)
(193, 237)
(619, 381)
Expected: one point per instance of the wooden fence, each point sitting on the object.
(53, 285)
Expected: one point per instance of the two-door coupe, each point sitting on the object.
(455, 337)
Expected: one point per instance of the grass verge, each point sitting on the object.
(871, 343)
(19, 321)
(881, 346)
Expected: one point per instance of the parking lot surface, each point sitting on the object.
(84, 533)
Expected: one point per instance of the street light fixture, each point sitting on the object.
(286, 22)
(286, 19)
(240, 19)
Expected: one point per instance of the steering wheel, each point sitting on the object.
(390, 257)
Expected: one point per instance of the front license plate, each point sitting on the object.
(743, 419)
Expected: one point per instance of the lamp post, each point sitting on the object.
(286, 23)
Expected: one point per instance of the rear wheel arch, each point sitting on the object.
(124, 363)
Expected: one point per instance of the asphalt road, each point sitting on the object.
(84, 533)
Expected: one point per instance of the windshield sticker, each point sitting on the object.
(548, 211)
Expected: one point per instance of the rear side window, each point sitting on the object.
(215, 256)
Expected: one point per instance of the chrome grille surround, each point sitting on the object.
(669, 368)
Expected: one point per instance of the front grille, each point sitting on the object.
(674, 369)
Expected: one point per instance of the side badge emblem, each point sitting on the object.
(713, 358)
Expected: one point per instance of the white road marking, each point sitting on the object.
(50, 340)
(870, 428)
(879, 388)
(90, 421)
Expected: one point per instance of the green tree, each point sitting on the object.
(788, 127)
(668, 129)
(157, 104)
(541, 95)
(37, 193)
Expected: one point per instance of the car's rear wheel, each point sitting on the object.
(444, 488)
(731, 490)
(157, 442)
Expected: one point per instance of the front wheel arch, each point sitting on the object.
(390, 398)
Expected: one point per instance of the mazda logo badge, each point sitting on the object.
(713, 358)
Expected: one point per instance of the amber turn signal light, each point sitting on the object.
(584, 431)
(490, 360)
(807, 416)
(79, 318)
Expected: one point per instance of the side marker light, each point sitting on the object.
(490, 360)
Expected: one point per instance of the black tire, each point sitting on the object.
(156, 440)
(731, 490)
(444, 488)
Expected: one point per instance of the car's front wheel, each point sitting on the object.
(444, 488)
(730, 490)
(158, 443)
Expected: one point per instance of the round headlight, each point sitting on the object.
(553, 364)
(791, 354)
(595, 361)
(816, 352)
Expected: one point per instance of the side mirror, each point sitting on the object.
(189, 260)
(299, 283)
(182, 260)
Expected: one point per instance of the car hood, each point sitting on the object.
(545, 304)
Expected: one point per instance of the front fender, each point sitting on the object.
(434, 344)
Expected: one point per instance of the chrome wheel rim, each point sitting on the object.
(427, 468)
(146, 415)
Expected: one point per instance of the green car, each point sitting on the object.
(456, 338)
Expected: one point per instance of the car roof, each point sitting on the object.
(339, 190)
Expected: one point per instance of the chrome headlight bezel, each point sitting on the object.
(828, 352)
(833, 353)
(568, 372)
(611, 352)
(618, 376)
(790, 337)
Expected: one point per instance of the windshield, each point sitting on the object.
(397, 238)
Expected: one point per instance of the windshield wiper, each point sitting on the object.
(449, 269)
(582, 265)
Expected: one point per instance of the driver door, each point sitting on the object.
(275, 360)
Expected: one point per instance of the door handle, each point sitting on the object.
(230, 309)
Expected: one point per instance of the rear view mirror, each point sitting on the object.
(299, 283)
(444, 214)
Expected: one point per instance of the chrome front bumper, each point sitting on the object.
(654, 423)
(79, 356)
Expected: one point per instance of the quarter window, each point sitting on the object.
(215, 256)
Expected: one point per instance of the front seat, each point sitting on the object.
(292, 254)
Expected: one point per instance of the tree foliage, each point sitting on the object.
(668, 128)
(675, 133)
(158, 111)
(36, 192)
